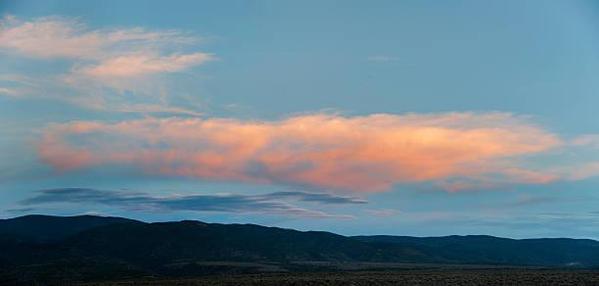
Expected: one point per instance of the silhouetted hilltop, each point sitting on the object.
(106, 247)
(484, 249)
(50, 228)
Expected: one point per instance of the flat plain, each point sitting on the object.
(487, 277)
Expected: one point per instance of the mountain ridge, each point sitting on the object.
(91, 245)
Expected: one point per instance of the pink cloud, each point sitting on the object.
(143, 64)
(103, 64)
(362, 153)
(580, 171)
(115, 53)
(58, 37)
(587, 140)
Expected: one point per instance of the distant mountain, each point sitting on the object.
(85, 247)
(51, 228)
(483, 249)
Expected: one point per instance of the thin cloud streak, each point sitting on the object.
(587, 140)
(271, 203)
(317, 197)
(142, 64)
(59, 37)
(383, 213)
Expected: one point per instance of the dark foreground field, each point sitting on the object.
(402, 277)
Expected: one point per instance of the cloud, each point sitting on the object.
(142, 64)
(59, 37)
(587, 140)
(19, 210)
(317, 197)
(267, 203)
(129, 72)
(116, 69)
(361, 153)
(581, 171)
(11, 92)
(525, 201)
(124, 52)
(383, 212)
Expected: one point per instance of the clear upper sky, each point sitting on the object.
(358, 117)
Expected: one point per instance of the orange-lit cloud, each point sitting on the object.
(142, 64)
(362, 153)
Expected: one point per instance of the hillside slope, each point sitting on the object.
(87, 247)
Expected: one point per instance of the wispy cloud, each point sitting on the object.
(587, 140)
(131, 71)
(580, 171)
(271, 203)
(104, 63)
(142, 64)
(383, 212)
(317, 197)
(525, 201)
(363, 153)
(8, 91)
(59, 37)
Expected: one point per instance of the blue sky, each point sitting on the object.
(409, 117)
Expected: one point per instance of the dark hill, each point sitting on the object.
(156, 244)
(88, 246)
(43, 228)
(482, 249)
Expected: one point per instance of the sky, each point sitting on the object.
(421, 118)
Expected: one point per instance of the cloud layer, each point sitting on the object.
(362, 153)
(271, 203)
